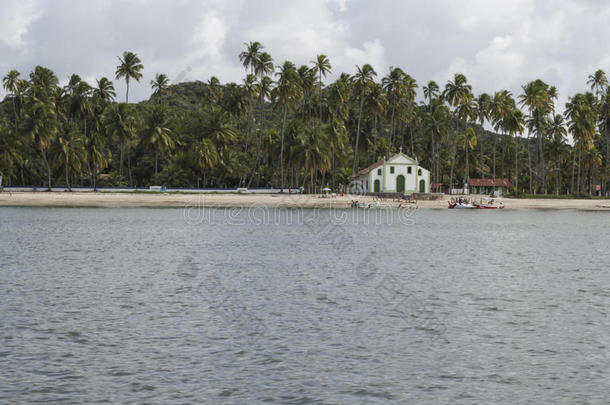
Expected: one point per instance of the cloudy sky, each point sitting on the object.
(496, 43)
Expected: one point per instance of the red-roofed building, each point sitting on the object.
(489, 186)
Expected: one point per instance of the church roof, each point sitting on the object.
(381, 162)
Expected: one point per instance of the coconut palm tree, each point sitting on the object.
(467, 141)
(119, 122)
(539, 103)
(363, 79)
(483, 103)
(130, 67)
(437, 125)
(160, 84)
(513, 123)
(218, 128)
(205, 156)
(70, 153)
(288, 93)
(104, 90)
(501, 104)
(431, 90)
(322, 67)
(598, 82)
(250, 59)
(604, 128)
(263, 67)
(582, 119)
(10, 82)
(557, 147)
(157, 134)
(458, 94)
(394, 86)
(41, 118)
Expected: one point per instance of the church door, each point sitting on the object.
(400, 183)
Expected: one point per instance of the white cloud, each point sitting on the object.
(497, 44)
(15, 19)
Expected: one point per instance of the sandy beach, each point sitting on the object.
(90, 199)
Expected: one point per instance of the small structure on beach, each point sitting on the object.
(398, 174)
(496, 187)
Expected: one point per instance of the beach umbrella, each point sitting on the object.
(326, 189)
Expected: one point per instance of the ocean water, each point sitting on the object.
(241, 306)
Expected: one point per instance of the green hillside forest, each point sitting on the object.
(288, 125)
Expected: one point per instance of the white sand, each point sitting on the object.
(90, 199)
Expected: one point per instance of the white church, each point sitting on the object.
(398, 174)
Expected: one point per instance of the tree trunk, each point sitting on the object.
(129, 166)
(494, 156)
(516, 188)
(320, 101)
(607, 171)
(156, 182)
(46, 162)
(573, 169)
(578, 185)
(541, 168)
(454, 153)
(122, 151)
(67, 179)
(482, 163)
(392, 128)
(355, 165)
(467, 171)
(282, 147)
(529, 163)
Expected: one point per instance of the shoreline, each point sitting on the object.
(169, 200)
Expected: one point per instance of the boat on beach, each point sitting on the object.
(489, 205)
(465, 203)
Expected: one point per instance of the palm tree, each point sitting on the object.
(322, 67)
(604, 127)
(436, 124)
(119, 121)
(467, 141)
(158, 135)
(431, 90)
(288, 93)
(362, 80)
(130, 67)
(218, 128)
(10, 83)
(159, 84)
(41, 121)
(513, 123)
(458, 94)
(205, 156)
(598, 82)
(104, 90)
(70, 152)
(393, 85)
(483, 103)
(264, 66)
(539, 102)
(582, 120)
(557, 146)
(250, 59)
(500, 106)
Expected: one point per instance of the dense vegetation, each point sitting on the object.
(284, 126)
